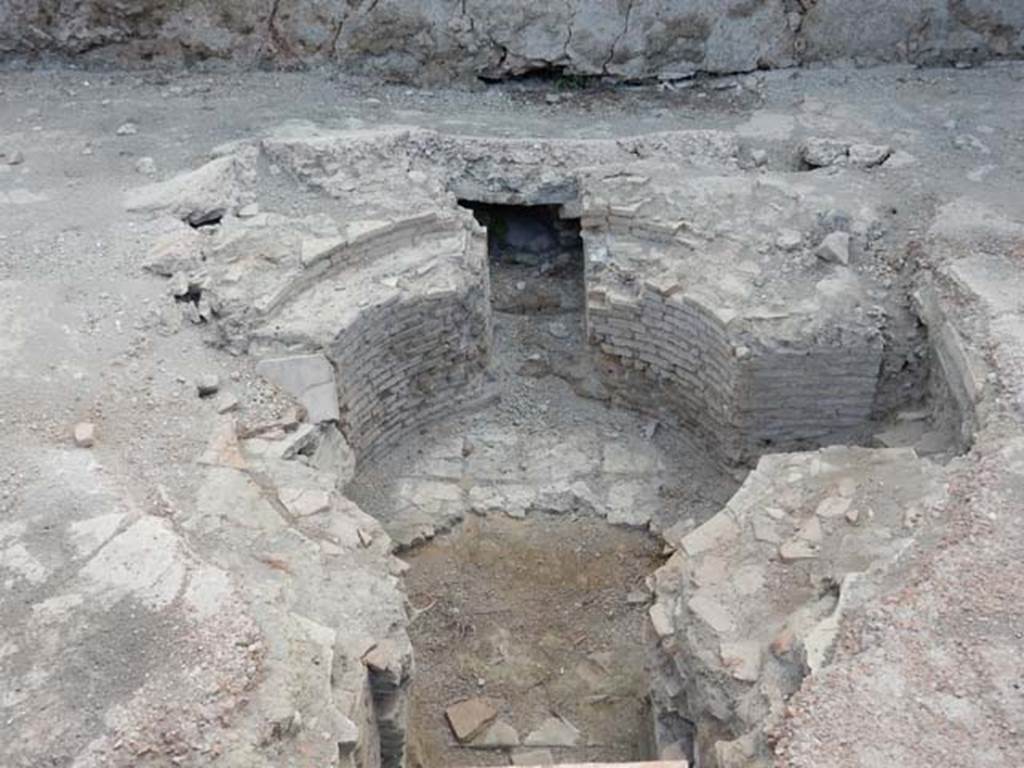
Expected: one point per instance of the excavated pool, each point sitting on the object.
(622, 407)
(367, 426)
(533, 603)
(533, 523)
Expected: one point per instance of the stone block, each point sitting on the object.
(835, 248)
(532, 757)
(334, 455)
(712, 613)
(553, 732)
(661, 621)
(85, 434)
(469, 718)
(303, 502)
(499, 735)
(869, 155)
(309, 378)
(742, 659)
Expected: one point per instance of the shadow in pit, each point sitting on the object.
(536, 257)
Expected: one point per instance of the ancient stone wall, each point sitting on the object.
(670, 352)
(403, 364)
(679, 347)
(750, 603)
(441, 40)
(400, 308)
(787, 397)
(957, 376)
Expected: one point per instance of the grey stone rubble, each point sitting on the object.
(752, 601)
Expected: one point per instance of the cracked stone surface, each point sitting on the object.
(437, 40)
(202, 588)
(309, 379)
(752, 601)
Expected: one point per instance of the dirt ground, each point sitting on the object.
(540, 617)
(83, 340)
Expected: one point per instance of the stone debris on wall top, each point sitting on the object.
(205, 193)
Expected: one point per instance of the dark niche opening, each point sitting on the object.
(536, 258)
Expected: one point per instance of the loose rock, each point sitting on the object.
(145, 166)
(835, 248)
(178, 285)
(660, 620)
(789, 240)
(208, 385)
(820, 153)
(833, 506)
(553, 732)
(469, 718)
(85, 434)
(558, 330)
(869, 155)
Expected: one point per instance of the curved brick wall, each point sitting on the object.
(408, 362)
(805, 395)
(667, 353)
(400, 308)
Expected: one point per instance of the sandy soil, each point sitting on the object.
(540, 617)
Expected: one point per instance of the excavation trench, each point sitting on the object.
(553, 416)
(531, 525)
(522, 594)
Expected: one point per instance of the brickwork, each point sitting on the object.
(669, 353)
(404, 364)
